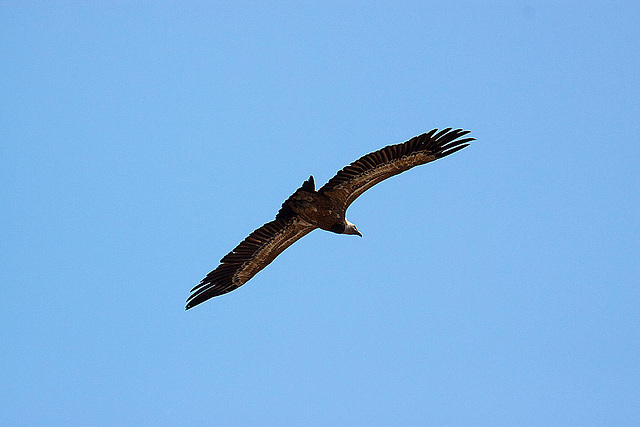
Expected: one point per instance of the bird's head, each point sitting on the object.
(351, 229)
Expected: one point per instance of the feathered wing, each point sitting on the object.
(353, 180)
(252, 255)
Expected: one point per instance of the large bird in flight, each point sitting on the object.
(325, 208)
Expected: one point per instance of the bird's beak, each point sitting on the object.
(358, 233)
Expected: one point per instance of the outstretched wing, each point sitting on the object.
(353, 180)
(252, 255)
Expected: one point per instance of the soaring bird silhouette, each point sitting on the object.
(308, 209)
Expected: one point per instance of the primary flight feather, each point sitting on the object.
(325, 208)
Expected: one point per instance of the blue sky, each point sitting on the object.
(140, 142)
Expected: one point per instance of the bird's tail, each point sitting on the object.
(296, 198)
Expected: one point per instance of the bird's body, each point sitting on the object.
(318, 209)
(307, 208)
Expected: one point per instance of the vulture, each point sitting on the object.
(307, 208)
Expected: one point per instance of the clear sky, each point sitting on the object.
(141, 141)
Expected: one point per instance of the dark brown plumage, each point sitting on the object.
(308, 209)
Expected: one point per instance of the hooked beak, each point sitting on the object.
(351, 228)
